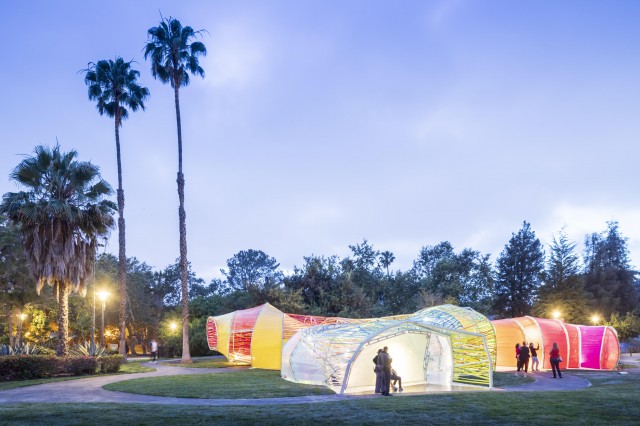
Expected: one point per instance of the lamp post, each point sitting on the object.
(22, 316)
(557, 315)
(103, 296)
(595, 319)
(173, 326)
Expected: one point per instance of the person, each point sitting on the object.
(524, 357)
(396, 379)
(378, 371)
(518, 363)
(535, 364)
(384, 362)
(555, 360)
(154, 350)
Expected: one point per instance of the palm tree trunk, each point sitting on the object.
(182, 216)
(122, 258)
(11, 341)
(63, 319)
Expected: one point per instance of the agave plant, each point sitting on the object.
(84, 349)
(21, 349)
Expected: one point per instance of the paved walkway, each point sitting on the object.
(90, 390)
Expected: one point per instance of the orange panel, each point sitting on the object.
(508, 333)
(241, 332)
(610, 350)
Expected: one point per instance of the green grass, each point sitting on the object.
(206, 363)
(241, 384)
(613, 399)
(626, 366)
(128, 368)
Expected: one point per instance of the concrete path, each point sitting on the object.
(90, 390)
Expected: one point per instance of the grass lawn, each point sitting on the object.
(206, 363)
(613, 399)
(241, 384)
(128, 368)
(506, 379)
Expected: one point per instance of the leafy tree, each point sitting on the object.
(563, 287)
(61, 216)
(386, 258)
(173, 56)
(608, 276)
(520, 270)
(464, 278)
(627, 325)
(113, 85)
(251, 271)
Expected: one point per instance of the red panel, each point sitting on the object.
(591, 346)
(241, 333)
(212, 334)
(294, 322)
(552, 332)
(574, 346)
(610, 350)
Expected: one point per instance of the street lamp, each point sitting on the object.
(556, 314)
(103, 296)
(595, 319)
(173, 326)
(22, 316)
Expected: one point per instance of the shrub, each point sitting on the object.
(23, 349)
(26, 367)
(84, 349)
(110, 363)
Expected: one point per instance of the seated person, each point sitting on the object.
(396, 379)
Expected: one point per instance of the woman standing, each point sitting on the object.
(555, 360)
(535, 364)
(518, 363)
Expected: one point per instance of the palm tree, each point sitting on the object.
(113, 85)
(386, 259)
(173, 57)
(61, 217)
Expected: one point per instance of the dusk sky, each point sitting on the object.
(321, 123)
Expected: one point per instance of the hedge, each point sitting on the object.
(25, 367)
(111, 363)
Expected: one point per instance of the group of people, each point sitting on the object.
(525, 353)
(385, 374)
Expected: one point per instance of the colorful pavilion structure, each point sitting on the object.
(581, 346)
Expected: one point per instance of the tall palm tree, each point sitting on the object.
(61, 216)
(114, 87)
(173, 56)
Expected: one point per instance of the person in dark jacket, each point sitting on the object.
(384, 361)
(378, 371)
(524, 357)
(518, 363)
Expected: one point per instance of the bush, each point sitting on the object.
(111, 363)
(26, 367)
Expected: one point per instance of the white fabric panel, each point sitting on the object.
(407, 352)
(439, 364)
(286, 371)
(305, 366)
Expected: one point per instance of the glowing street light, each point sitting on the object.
(103, 296)
(595, 319)
(173, 326)
(556, 314)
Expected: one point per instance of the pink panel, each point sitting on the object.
(573, 360)
(552, 332)
(610, 350)
(591, 346)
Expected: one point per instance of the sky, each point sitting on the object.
(322, 123)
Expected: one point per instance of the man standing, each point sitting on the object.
(384, 361)
(154, 350)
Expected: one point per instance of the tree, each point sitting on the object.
(627, 325)
(608, 277)
(386, 258)
(520, 269)
(61, 217)
(173, 57)
(113, 84)
(563, 287)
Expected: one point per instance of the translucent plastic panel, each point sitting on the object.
(508, 333)
(212, 334)
(552, 332)
(610, 350)
(573, 332)
(243, 321)
(439, 361)
(591, 346)
(223, 328)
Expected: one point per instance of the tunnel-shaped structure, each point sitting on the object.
(581, 346)
(340, 356)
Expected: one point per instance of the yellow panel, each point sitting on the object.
(223, 324)
(266, 344)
